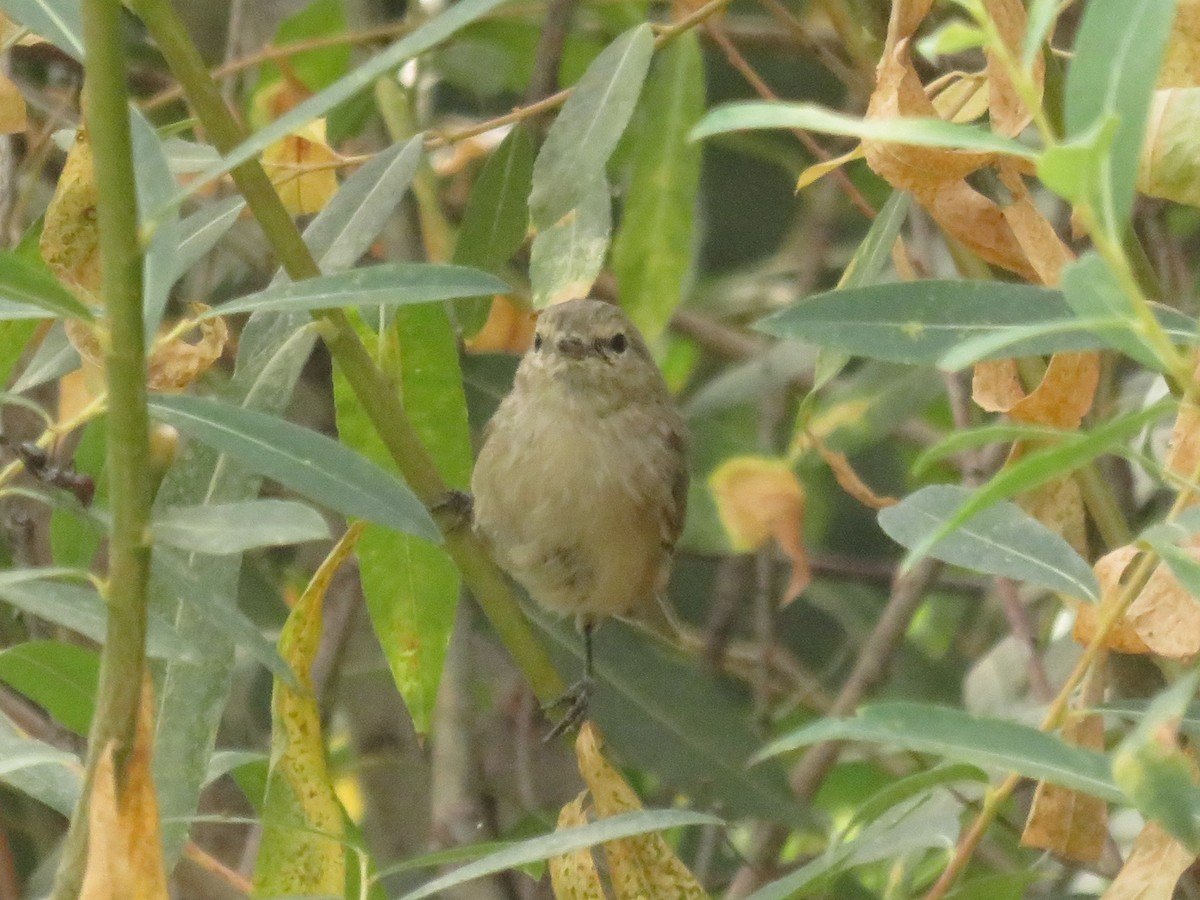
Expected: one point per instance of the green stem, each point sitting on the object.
(122, 659)
(371, 387)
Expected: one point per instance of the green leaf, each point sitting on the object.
(1118, 51)
(562, 842)
(1001, 540)
(1037, 468)
(954, 734)
(411, 587)
(1091, 290)
(309, 463)
(29, 291)
(81, 609)
(391, 284)
(1042, 16)
(647, 702)
(652, 251)
(1075, 169)
(923, 322)
(222, 528)
(916, 824)
(496, 220)
(55, 782)
(567, 256)
(1155, 773)
(586, 131)
(175, 250)
(758, 114)
(61, 678)
(433, 32)
(345, 229)
(58, 21)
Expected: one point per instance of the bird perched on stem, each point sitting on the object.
(581, 486)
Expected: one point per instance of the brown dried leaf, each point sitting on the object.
(175, 365)
(1034, 234)
(1069, 823)
(12, 107)
(302, 166)
(848, 478)
(124, 853)
(574, 876)
(759, 498)
(508, 329)
(1152, 869)
(1183, 457)
(1165, 614)
(1060, 401)
(977, 222)
(1181, 61)
(1122, 637)
(1009, 115)
(1058, 505)
(70, 242)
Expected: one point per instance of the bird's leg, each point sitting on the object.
(579, 694)
(453, 510)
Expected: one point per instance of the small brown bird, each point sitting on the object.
(581, 486)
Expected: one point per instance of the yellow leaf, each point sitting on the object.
(70, 242)
(12, 107)
(124, 850)
(574, 876)
(643, 866)
(759, 498)
(1167, 167)
(1069, 823)
(302, 166)
(1181, 61)
(508, 329)
(1152, 869)
(301, 851)
(817, 171)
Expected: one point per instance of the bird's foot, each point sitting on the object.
(576, 701)
(453, 510)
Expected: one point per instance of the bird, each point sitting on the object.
(580, 486)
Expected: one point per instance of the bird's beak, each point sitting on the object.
(573, 348)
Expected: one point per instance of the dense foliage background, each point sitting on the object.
(933, 621)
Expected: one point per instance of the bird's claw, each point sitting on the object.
(575, 699)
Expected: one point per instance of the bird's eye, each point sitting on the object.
(618, 342)
(537, 342)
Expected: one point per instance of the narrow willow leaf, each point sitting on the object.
(755, 115)
(173, 576)
(56, 781)
(567, 256)
(194, 693)
(925, 322)
(29, 291)
(1092, 291)
(81, 609)
(60, 678)
(560, 842)
(652, 251)
(309, 463)
(221, 528)
(919, 823)
(411, 587)
(1156, 773)
(174, 251)
(58, 21)
(53, 358)
(431, 33)
(586, 131)
(345, 229)
(392, 284)
(496, 219)
(1001, 540)
(1118, 50)
(1039, 467)
(954, 734)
